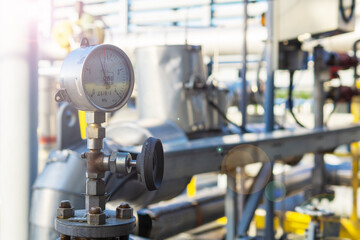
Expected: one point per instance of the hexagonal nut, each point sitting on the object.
(95, 187)
(95, 175)
(96, 219)
(124, 213)
(95, 117)
(65, 213)
(95, 143)
(92, 132)
(94, 201)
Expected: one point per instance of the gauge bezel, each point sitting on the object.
(127, 61)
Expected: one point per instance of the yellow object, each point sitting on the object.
(222, 221)
(293, 222)
(61, 33)
(191, 187)
(263, 19)
(355, 110)
(349, 229)
(69, 33)
(260, 219)
(83, 124)
(296, 222)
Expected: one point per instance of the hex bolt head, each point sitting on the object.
(95, 187)
(124, 205)
(65, 210)
(96, 216)
(65, 204)
(124, 211)
(95, 210)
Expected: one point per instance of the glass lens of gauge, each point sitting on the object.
(106, 77)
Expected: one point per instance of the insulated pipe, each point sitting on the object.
(222, 41)
(158, 222)
(165, 221)
(243, 103)
(18, 116)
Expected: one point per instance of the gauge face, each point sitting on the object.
(107, 77)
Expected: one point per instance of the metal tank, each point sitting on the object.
(171, 82)
(62, 178)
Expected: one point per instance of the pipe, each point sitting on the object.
(270, 68)
(355, 110)
(227, 41)
(158, 222)
(243, 103)
(180, 216)
(47, 119)
(18, 121)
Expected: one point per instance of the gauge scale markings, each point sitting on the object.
(105, 87)
(103, 82)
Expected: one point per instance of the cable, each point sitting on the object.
(342, 11)
(290, 101)
(120, 184)
(223, 115)
(336, 100)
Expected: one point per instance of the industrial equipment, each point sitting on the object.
(180, 104)
(99, 79)
(320, 18)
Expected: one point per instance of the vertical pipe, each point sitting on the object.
(269, 206)
(355, 49)
(243, 104)
(355, 180)
(18, 117)
(124, 16)
(32, 59)
(271, 57)
(231, 208)
(319, 169)
(355, 110)
(47, 118)
(318, 87)
(269, 91)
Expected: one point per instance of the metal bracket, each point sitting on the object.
(68, 127)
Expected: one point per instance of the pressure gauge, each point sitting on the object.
(96, 78)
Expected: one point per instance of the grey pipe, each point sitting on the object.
(169, 220)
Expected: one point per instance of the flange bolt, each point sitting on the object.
(124, 211)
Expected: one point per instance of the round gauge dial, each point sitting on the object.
(107, 77)
(96, 78)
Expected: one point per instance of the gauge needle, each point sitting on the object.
(103, 70)
(102, 66)
(117, 93)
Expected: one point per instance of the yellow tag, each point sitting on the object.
(191, 187)
(83, 124)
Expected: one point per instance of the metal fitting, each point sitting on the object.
(95, 132)
(119, 162)
(124, 211)
(95, 187)
(95, 117)
(95, 163)
(95, 175)
(95, 210)
(65, 204)
(65, 210)
(96, 216)
(95, 143)
(91, 201)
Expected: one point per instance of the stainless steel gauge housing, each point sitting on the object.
(96, 78)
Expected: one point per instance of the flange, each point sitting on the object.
(77, 226)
